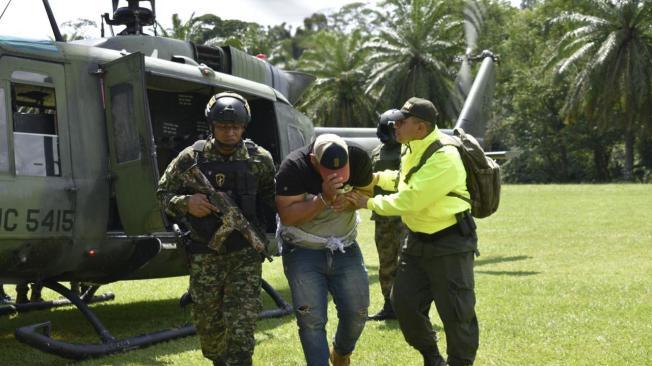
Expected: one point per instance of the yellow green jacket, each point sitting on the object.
(423, 204)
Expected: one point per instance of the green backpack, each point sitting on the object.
(482, 172)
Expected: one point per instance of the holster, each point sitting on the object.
(465, 223)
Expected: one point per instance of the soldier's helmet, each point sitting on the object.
(228, 107)
(385, 129)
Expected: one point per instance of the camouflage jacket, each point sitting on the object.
(173, 192)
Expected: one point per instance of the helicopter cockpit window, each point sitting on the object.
(125, 134)
(36, 141)
(4, 147)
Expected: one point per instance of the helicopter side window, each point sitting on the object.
(124, 128)
(36, 142)
(4, 146)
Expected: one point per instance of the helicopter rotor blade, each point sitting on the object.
(473, 19)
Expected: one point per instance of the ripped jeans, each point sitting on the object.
(312, 274)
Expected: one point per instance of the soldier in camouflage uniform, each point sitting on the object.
(224, 284)
(389, 229)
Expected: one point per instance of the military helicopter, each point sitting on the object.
(86, 128)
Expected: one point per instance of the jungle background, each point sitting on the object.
(572, 97)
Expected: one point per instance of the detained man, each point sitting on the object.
(318, 229)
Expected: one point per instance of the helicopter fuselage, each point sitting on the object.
(85, 131)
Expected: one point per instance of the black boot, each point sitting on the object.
(185, 299)
(432, 357)
(21, 293)
(387, 312)
(36, 293)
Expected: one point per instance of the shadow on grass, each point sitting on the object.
(500, 259)
(122, 321)
(393, 325)
(509, 273)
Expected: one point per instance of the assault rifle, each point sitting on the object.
(230, 214)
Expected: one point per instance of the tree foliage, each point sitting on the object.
(413, 53)
(338, 97)
(575, 124)
(608, 49)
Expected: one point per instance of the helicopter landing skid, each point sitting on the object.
(88, 298)
(38, 335)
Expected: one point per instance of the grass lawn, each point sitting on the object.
(565, 278)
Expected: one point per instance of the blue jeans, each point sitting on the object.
(312, 274)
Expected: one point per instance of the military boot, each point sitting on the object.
(387, 312)
(185, 299)
(21, 293)
(36, 293)
(338, 359)
(432, 357)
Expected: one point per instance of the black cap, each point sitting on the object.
(332, 153)
(420, 108)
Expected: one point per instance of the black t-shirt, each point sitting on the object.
(296, 175)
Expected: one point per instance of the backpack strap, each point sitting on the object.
(251, 146)
(198, 148)
(431, 149)
(468, 200)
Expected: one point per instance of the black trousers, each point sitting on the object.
(425, 276)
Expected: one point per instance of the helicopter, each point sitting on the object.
(86, 128)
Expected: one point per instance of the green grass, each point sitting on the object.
(565, 278)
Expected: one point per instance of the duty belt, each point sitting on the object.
(453, 229)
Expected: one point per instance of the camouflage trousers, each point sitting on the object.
(225, 290)
(389, 234)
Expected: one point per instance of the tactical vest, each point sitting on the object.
(234, 178)
(389, 158)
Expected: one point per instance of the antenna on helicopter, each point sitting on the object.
(134, 17)
(53, 23)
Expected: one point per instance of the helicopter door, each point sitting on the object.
(37, 192)
(131, 144)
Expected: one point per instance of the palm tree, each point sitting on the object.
(78, 29)
(180, 30)
(609, 52)
(338, 97)
(413, 52)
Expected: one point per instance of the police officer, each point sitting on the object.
(224, 284)
(436, 262)
(388, 229)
